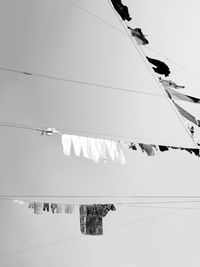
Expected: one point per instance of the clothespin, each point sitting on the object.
(50, 131)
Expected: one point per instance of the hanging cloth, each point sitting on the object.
(38, 207)
(178, 96)
(186, 114)
(66, 142)
(138, 35)
(76, 144)
(161, 67)
(121, 9)
(148, 149)
(168, 83)
(95, 155)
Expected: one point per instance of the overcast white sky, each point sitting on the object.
(56, 38)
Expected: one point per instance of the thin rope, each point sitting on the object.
(120, 89)
(142, 55)
(95, 16)
(8, 197)
(126, 139)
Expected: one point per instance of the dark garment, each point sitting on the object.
(46, 207)
(102, 210)
(99, 209)
(163, 148)
(121, 9)
(193, 150)
(53, 207)
(161, 67)
(132, 146)
(148, 149)
(139, 36)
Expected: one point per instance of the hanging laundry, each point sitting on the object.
(60, 208)
(31, 205)
(85, 147)
(132, 146)
(169, 83)
(193, 150)
(160, 68)
(120, 154)
(69, 208)
(53, 207)
(90, 224)
(148, 149)
(103, 209)
(191, 130)
(38, 207)
(179, 96)
(101, 147)
(46, 207)
(138, 35)
(66, 142)
(94, 151)
(76, 144)
(121, 9)
(163, 148)
(186, 114)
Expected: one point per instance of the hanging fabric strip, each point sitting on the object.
(169, 83)
(138, 35)
(93, 148)
(179, 96)
(186, 114)
(121, 9)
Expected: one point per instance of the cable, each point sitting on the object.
(153, 75)
(8, 197)
(95, 16)
(79, 82)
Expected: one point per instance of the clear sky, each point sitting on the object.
(56, 38)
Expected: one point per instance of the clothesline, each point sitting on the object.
(114, 88)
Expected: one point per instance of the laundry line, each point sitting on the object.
(87, 83)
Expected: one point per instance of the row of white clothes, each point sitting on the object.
(93, 148)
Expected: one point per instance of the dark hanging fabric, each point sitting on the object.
(90, 224)
(193, 150)
(161, 67)
(53, 207)
(103, 209)
(163, 148)
(121, 9)
(46, 207)
(138, 35)
(147, 148)
(132, 146)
